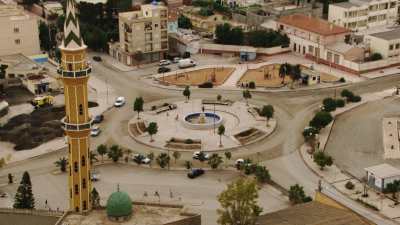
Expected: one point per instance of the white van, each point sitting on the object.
(185, 63)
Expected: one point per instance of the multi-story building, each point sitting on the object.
(74, 70)
(19, 31)
(143, 35)
(363, 14)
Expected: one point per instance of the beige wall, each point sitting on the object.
(21, 27)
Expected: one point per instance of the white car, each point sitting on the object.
(95, 131)
(120, 101)
(165, 62)
(197, 154)
(94, 176)
(143, 159)
(176, 59)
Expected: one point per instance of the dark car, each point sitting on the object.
(163, 70)
(195, 173)
(97, 58)
(98, 119)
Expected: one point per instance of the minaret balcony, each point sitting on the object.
(74, 74)
(76, 127)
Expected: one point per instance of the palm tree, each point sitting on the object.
(115, 153)
(176, 155)
(214, 161)
(221, 131)
(163, 160)
(62, 163)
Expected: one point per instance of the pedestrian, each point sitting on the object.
(156, 194)
(45, 202)
(202, 108)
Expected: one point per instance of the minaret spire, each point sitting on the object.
(72, 34)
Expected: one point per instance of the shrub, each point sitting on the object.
(346, 94)
(153, 107)
(321, 120)
(340, 103)
(342, 80)
(165, 104)
(206, 85)
(373, 57)
(349, 185)
(329, 104)
(188, 141)
(355, 98)
(252, 85)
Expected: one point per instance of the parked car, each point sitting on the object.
(141, 159)
(94, 176)
(176, 59)
(98, 119)
(165, 62)
(120, 101)
(163, 69)
(195, 173)
(95, 131)
(97, 58)
(185, 63)
(196, 155)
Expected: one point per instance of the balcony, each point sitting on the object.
(74, 74)
(76, 127)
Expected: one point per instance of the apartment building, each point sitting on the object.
(363, 14)
(143, 35)
(19, 31)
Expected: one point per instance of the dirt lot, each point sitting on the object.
(261, 78)
(17, 95)
(197, 77)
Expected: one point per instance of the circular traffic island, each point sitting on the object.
(201, 125)
(119, 207)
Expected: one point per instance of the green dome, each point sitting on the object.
(119, 204)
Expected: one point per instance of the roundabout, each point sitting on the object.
(196, 125)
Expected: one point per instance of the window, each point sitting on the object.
(80, 109)
(75, 167)
(77, 209)
(83, 183)
(17, 41)
(397, 46)
(76, 189)
(16, 30)
(83, 161)
(84, 205)
(310, 49)
(391, 47)
(70, 193)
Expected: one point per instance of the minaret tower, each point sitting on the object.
(74, 71)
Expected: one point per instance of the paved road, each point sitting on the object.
(278, 152)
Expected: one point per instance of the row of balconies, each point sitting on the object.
(74, 74)
(76, 127)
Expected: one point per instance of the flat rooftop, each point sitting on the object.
(142, 214)
(13, 218)
(383, 170)
(388, 35)
(312, 24)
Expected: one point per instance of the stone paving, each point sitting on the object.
(236, 119)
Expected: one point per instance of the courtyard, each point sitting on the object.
(216, 75)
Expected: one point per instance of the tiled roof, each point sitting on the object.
(312, 24)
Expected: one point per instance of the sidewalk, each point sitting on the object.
(338, 178)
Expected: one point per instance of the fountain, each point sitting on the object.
(203, 120)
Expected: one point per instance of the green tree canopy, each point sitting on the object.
(115, 153)
(239, 203)
(186, 92)
(163, 160)
(184, 22)
(322, 159)
(152, 129)
(227, 35)
(214, 161)
(62, 164)
(321, 120)
(138, 105)
(102, 150)
(24, 197)
(297, 195)
(267, 111)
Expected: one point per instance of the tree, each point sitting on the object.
(151, 157)
(62, 163)
(347, 94)
(239, 203)
(322, 160)
(186, 93)
(297, 195)
(228, 156)
(139, 56)
(246, 96)
(310, 134)
(102, 150)
(221, 131)
(227, 35)
(321, 120)
(329, 104)
(115, 153)
(152, 129)
(95, 197)
(30, 2)
(92, 157)
(393, 188)
(267, 111)
(295, 75)
(215, 160)
(176, 155)
(284, 70)
(138, 106)
(24, 197)
(44, 36)
(262, 174)
(163, 160)
(184, 22)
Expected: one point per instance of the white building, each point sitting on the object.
(380, 175)
(19, 31)
(363, 14)
(385, 43)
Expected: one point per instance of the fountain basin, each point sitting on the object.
(202, 120)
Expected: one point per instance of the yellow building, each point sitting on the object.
(74, 71)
